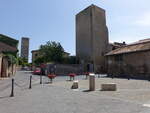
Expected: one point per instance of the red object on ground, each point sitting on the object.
(72, 74)
(51, 76)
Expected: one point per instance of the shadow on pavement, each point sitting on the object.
(47, 83)
(69, 80)
(4, 97)
(86, 90)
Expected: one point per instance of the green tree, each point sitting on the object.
(22, 61)
(70, 60)
(38, 61)
(52, 52)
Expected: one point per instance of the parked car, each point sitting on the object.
(37, 71)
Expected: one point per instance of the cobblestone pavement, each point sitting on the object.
(59, 98)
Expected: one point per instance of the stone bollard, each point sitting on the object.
(108, 87)
(92, 82)
(75, 85)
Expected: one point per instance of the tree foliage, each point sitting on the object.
(11, 58)
(23, 61)
(70, 60)
(39, 60)
(51, 52)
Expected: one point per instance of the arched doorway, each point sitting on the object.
(4, 67)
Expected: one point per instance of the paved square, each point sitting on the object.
(132, 96)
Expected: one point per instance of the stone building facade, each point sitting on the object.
(131, 60)
(8, 49)
(25, 48)
(92, 38)
(117, 59)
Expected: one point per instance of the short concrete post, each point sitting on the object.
(75, 85)
(92, 82)
(109, 87)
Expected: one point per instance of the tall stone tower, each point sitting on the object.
(92, 38)
(25, 47)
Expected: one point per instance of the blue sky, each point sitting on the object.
(44, 20)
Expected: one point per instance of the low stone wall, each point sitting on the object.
(108, 87)
(64, 69)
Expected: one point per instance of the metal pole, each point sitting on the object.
(98, 75)
(128, 77)
(40, 79)
(30, 85)
(70, 78)
(86, 76)
(112, 76)
(51, 80)
(12, 90)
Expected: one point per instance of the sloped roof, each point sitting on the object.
(141, 41)
(8, 40)
(140, 45)
(34, 51)
(7, 48)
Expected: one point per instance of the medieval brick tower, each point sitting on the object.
(25, 48)
(92, 38)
